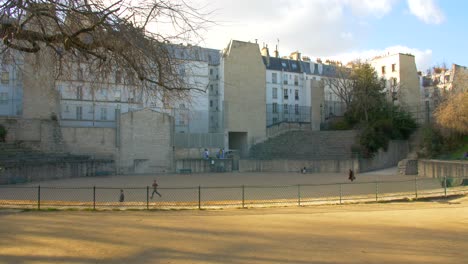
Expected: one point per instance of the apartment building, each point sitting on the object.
(401, 80)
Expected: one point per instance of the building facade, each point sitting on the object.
(401, 80)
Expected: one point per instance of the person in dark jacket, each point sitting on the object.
(351, 175)
(122, 196)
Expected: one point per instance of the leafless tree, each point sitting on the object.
(132, 36)
(341, 84)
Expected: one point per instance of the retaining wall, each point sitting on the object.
(21, 172)
(442, 168)
(336, 166)
(201, 165)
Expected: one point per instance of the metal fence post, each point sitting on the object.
(199, 197)
(243, 196)
(416, 186)
(38, 197)
(94, 197)
(445, 186)
(341, 192)
(147, 197)
(376, 191)
(299, 194)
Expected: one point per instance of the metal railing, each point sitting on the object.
(244, 196)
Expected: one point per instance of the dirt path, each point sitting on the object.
(416, 232)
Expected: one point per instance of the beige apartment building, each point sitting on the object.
(401, 80)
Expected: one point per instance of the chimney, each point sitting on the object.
(295, 55)
(265, 51)
(276, 53)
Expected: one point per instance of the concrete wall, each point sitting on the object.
(442, 168)
(397, 150)
(244, 91)
(146, 142)
(323, 166)
(30, 172)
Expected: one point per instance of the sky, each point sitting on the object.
(434, 31)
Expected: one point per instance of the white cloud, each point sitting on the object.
(427, 11)
(323, 26)
(423, 57)
(372, 7)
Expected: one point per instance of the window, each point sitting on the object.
(274, 77)
(79, 112)
(285, 109)
(285, 79)
(79, 93)
(394, 82)
(283, 64)
(393, 67)
(79, 74)
(117, 95)
(211, 87)
(275, 108)
(296, 95)
(5, 78)
(103, 113)
(118, 77)
(4, 98)
(275, 120)
(104, 92)
(296, 80)
(130, 78)
(211, 71)
(67, 109)
(211, 103)
(275, 93)
(285, 94)
(182, 70)
(296, 109)
(383, 69)
(294, 66)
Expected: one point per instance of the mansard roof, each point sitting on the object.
(287, 65)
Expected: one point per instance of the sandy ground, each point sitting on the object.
(258, 187)
(412, 232)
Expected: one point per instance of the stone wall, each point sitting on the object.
(281, 128)
(39, 171)
(97, 142)
(397, 150)
(201, 165)
(442, 168)
(146, 142)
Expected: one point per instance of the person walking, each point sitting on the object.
(122, 196)
(155, 189)
(351, 175)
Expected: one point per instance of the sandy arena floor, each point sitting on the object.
(413, 232)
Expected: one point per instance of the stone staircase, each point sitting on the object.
(306, 145)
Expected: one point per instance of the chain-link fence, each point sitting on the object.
(244, 196)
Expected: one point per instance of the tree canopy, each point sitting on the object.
(452, 113)
(377, 118)
(131, 35)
